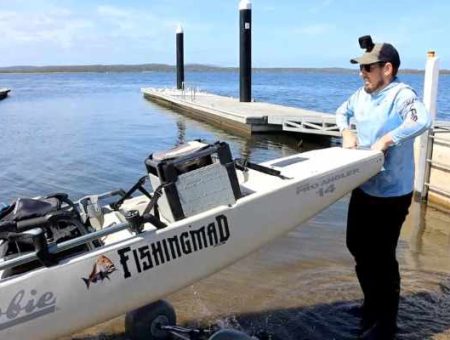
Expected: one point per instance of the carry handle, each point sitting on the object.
(31, 223)
(41, 246)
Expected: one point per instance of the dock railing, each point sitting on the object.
(188, 91)
(424, 142)
(309, 124)
(439, 141)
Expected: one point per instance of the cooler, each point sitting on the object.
(195, 177)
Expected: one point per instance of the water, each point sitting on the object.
(90, 133)
(82, 133)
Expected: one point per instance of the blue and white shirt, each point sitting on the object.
(394, 109)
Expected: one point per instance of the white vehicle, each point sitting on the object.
(206, 213)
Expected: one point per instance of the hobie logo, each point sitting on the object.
(25, 306)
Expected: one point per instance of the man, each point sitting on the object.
(387, 116)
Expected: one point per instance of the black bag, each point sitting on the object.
(25, 208)
(54, 218)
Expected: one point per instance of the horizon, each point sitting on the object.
(350, 68)
(321, 34)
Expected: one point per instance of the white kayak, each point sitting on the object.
(132, 269)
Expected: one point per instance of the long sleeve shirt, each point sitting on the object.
(394, 109)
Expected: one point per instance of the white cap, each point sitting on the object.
(179, 29)
(245, 4)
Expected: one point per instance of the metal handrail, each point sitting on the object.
(438, 164)
(437, 190)
(191, 89)
(441, 141)
(438, 128)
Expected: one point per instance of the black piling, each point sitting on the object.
(180, 57)
(245, 51)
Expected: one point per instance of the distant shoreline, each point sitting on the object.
(171, 68)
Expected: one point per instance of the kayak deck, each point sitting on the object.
(252, 182)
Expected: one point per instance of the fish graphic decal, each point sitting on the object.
(103, 267)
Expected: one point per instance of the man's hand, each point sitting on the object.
(383, 143)
(349, 139)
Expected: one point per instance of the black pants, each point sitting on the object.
(373, 230)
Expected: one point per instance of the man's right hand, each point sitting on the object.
(349, 139)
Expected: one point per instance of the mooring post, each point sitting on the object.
(245, 51)
(430, 88)
(180, 57)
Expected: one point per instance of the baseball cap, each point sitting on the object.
(381, 52)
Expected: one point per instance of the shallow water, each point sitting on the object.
(302, 285)
(89, 133)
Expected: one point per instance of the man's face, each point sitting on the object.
(373, 76)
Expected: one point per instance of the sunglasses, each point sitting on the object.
(368, 67)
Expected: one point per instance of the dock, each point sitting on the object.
(246, 118)
(253, 117)
(4, 93)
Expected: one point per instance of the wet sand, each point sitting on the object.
(302, 285)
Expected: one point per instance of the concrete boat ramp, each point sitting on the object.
(253, 117)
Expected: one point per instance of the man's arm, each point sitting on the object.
(343, 115)
(349, 139)
(416, 120)
(383, 143)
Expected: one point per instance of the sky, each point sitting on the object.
(286, 33)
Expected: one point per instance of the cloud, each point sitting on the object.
(314, 30)
(134, 23)
(58, 26)
(145, 27)
(66, 28)
(103, 29)
(114, 12)
(267, 8)
(319, 6)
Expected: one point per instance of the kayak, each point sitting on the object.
(142, 248)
